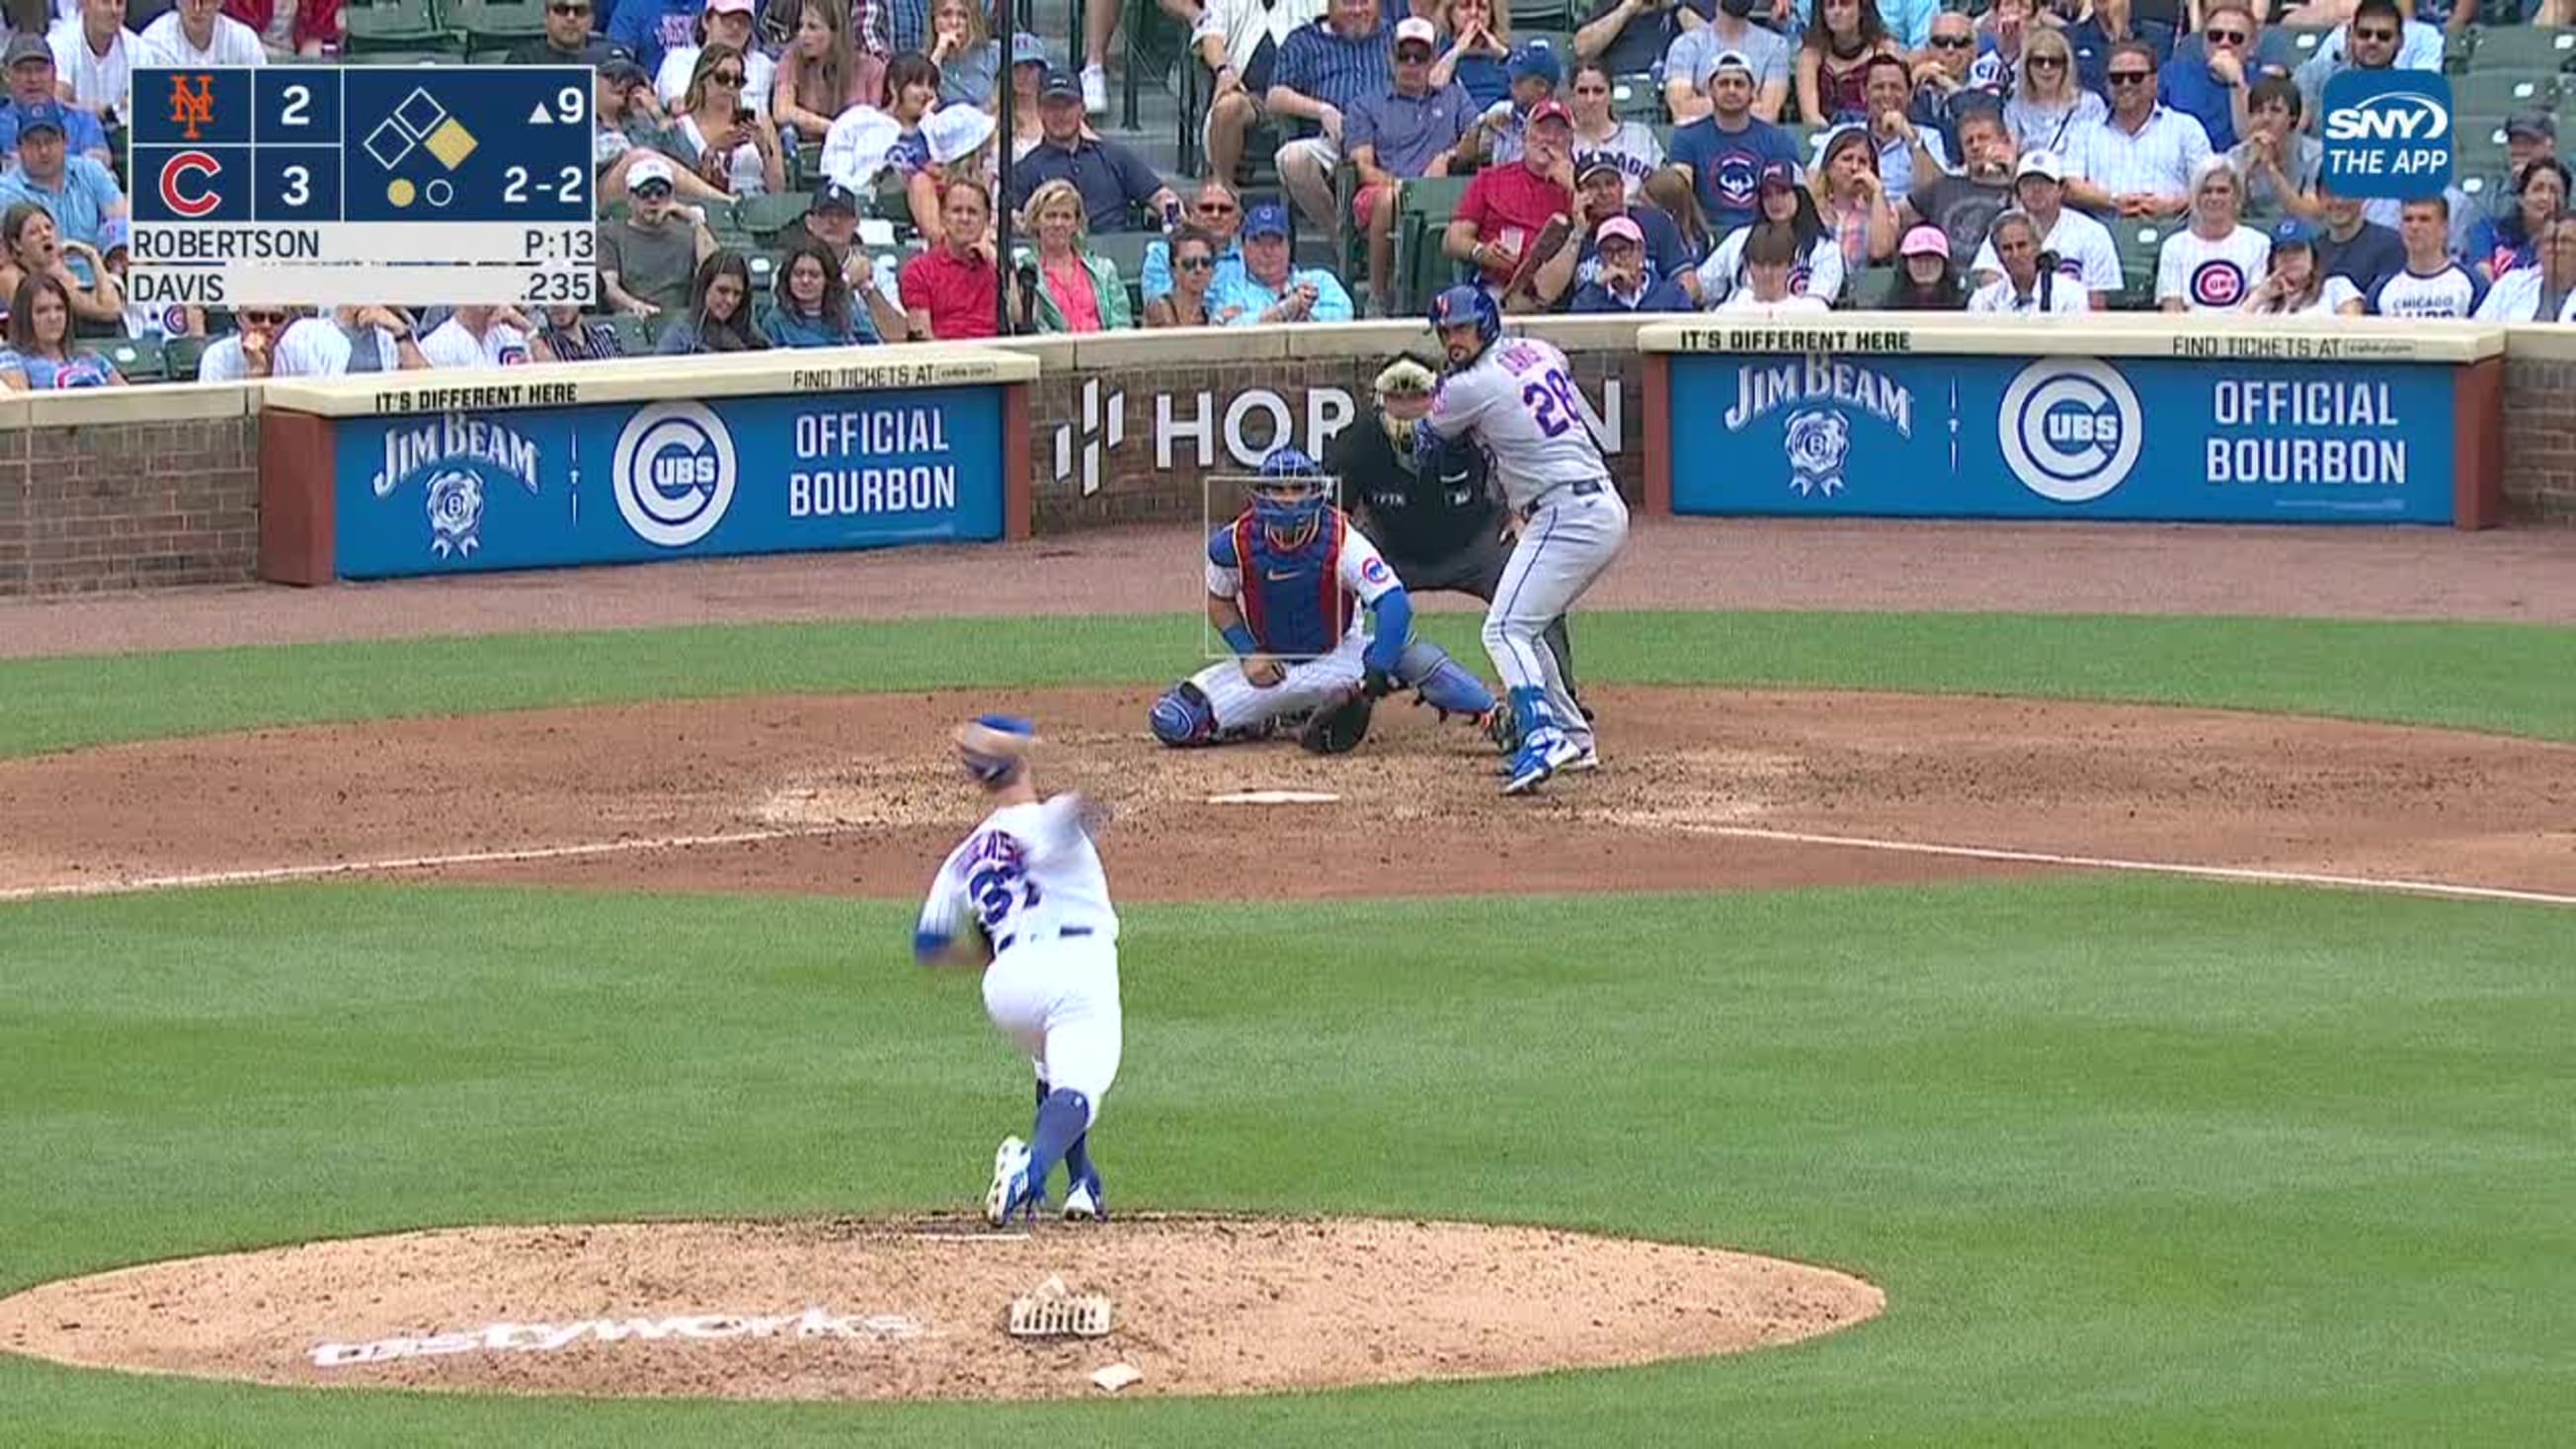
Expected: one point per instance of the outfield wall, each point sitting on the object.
(143, 487)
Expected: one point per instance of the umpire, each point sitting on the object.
(1436, 533)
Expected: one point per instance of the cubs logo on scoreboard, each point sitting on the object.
(411, 185)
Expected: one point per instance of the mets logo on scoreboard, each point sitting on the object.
(192, 110)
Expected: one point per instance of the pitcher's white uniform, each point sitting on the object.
(1304, 605)
(1518, 400)
(1030, 877)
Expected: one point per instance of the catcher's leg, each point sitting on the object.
(1218, 706)
(1443, 682)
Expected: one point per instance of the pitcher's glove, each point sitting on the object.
(1337, 729)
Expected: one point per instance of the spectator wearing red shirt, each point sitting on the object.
(949, 290)
(309, 28)
(1513, 223)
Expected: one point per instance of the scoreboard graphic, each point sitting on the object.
(348, 185)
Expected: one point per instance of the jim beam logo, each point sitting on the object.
(1103, 429)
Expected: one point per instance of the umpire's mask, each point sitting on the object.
(1403, 400)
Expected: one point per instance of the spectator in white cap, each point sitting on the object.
(94, 55)
(2211, 265)
(1925, 281)
(2544, 291)
(728, 22)
(2088, 262)
(1692, 62)
(955, 139)
(1726, 151)
(649, 256)
(1626, 283)
(2029, 285)
(1404, 132)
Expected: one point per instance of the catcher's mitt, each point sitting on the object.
(1337, 729)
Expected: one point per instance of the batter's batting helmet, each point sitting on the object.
(1464, 304)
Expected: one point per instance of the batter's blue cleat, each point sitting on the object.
(1085, 1203)
(1545, 752)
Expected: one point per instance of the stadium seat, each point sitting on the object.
(2305, 39)
(380, 29)
(2523, 49)
(634, 334)
(1537, 17)
(764, 271)
(1637, 98)
(1870, 289)
(1125, 250)
(1421, 268)
(768, 218)
(2138, 244)
(139, 358)
(180, 357)
(2501, 92)
(497, 24)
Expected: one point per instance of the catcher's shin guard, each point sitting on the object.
(1443, 682)
(1183, 717)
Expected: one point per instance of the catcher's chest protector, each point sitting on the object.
(1293, 599)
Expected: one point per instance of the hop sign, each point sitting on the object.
(2387, 134)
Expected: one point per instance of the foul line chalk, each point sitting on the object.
(284, 873)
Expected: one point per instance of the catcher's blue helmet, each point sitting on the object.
(1463, 304)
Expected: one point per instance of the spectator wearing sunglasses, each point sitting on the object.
(2211, 85)
(1944, 90)
(568, 39)
(731, 146)
(1216, 212)
(2139, 164)
(1188, 274)
(727, 22)
(250, 351)
(2378, 38)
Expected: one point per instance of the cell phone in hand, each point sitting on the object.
(742, 115)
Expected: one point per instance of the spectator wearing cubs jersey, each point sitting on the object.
(1598, 135)
(1725, 151)
(198, 34)
(2086, 258)
(1770, 261)
(2029, 285)
(1510, 210)
(484, 337)
(2432, 283)
(2138, 164)
(2211, 265)
(1817, 270)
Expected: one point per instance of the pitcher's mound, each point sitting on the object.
(918, 1309)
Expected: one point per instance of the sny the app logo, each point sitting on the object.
(192, 109)
(2387, 135)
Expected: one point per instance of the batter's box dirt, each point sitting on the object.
(870, 781)
(844, 1310)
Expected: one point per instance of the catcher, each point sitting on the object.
(1437, 532)
(1287, 581)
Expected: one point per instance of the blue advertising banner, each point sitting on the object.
(633, 482)
(2016, 437)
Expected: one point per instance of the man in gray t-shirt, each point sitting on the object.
(1695, 52)
(649, 257)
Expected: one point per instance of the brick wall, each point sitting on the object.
(1130, 443)
(2540, 440)
(127, 503)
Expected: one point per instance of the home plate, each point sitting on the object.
(1275, 797)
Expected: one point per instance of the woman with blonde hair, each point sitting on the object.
(1851, 202)
(1068, 289)
(969, 60)
(730, 145)
(819, 73)
(1480, 38)
(2048, 108)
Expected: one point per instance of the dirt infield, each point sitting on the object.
(916, 1310)
(1701, 789)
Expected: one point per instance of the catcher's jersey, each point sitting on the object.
(1519, 401)
(1027, 871)
(1298, 603)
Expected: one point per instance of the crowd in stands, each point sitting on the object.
(810, 173)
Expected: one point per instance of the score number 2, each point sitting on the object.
(567, 190)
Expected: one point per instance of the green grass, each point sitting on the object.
(2137, 1161)
(2507, 678)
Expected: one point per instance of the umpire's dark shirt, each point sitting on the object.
(1408, 516)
